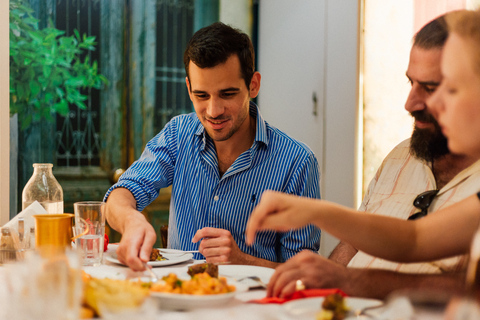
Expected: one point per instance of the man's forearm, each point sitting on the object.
(376, 283)
(255, 261)
(343, 253)
(121, 206)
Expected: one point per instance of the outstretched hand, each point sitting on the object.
(280, 212)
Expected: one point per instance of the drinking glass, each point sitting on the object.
(42, 287)
(90, 230)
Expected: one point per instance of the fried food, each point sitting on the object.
(155, 255)
(199, 284)
(210, 268)
(119, 294)
(333, 308)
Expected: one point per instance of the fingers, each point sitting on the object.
(209, 233)
(270, 213)
(146, 248)
(135, 247)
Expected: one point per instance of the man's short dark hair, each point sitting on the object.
(214, 44)
(433, 35)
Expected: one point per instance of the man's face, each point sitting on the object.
(424, 74)
(221, 98)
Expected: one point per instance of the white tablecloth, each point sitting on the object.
(238, 308)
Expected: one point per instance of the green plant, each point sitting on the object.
(48, 70)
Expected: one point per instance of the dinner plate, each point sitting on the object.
(309, 307)
(173, 258)
(175, 301)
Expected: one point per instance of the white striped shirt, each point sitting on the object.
(182, 155)
(398, 181)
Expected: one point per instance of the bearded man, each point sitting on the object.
(418, 177)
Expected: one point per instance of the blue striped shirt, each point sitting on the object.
(182, 155)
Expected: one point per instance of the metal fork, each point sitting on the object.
(153, 276)
(364, 311)
(256, 279)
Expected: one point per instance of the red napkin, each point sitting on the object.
(308, 293)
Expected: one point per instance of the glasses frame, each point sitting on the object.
(423, 202)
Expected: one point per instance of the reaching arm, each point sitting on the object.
(376, 283)
(447, 232)
(317, 272)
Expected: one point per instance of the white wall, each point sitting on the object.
(312, 46)
(4, 116)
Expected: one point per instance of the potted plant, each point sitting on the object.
(48, 70)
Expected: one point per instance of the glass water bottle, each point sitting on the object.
(44, 188)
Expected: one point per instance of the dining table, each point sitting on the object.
(244, 304)
(248, 301)
(239, 307)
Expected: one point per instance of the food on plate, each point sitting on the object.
(210, 268)
(333, 308)
(119, 294)
(156, 255)
(199, 284)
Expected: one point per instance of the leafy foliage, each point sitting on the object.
(48, 70)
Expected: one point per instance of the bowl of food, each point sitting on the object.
(204, 289)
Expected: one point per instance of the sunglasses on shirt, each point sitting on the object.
(422, 202)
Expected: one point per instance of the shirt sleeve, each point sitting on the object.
(153, 170)
(305, 182)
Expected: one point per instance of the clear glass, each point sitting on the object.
(90, 231)
(44, 188)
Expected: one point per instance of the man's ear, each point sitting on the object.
(255, 84)
(189, 88)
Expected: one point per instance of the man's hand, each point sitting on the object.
(137, 241)
(280, 211)
(218, 246)
(138, 235)
(314, 270)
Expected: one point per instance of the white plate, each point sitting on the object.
(309, 307)
(175, 301)
(174, 258)
(172, 301)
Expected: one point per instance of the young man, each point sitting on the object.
(219, 160)
(422, 163)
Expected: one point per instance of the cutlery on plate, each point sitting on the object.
(177, 252)
(364, 311)
(153, 276)
(256, 279)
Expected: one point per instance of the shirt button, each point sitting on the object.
(216, 198)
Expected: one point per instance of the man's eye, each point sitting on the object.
(201, 96)
(229, 94)
(451, 90)
(430, 89)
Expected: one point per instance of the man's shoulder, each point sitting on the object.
(400, 151)
(278, 138)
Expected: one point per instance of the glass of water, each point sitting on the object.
(90, 230)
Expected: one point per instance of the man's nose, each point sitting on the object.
(416, 100)
(215, 107)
